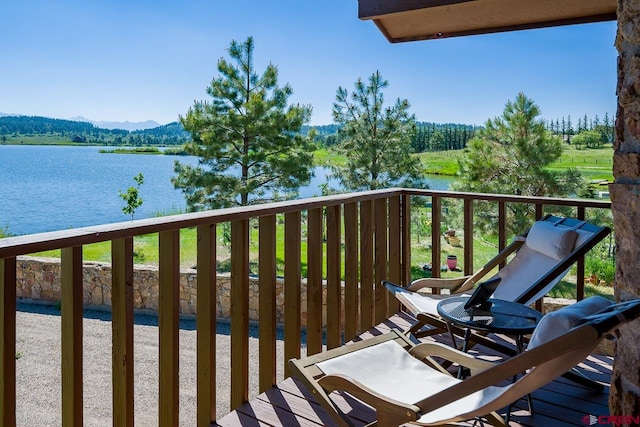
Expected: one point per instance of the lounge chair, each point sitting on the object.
(404, 384)
(542, 257)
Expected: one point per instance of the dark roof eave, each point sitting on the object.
(490, 30)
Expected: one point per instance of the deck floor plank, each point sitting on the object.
(261, 409)
(561, 403)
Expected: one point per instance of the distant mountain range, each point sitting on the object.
(127, 125)
(34, 129)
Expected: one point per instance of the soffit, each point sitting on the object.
(407, 20)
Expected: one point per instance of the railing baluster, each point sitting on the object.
(468, 236)
(71, 337)
(8, 341)
(206, 325)
(122, 330)
(539, 212)
(168, 325)
(581, 215)
(366, 265)
(405, 212)
(351, 270)
(314, 281)
(267, 305)
(395, 243)
(381, 253)
(502, 229)
(436, 236)
(292, 284)
(334, 296)
(539, 208)
(239, 312)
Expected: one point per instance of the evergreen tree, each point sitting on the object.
(248, 139)
(608, 128)
(569, 127)
(437, 141)
(510, 156)
(376, 138)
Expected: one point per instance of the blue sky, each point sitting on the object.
(137, 60)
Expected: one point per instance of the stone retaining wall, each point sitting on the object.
(39, 279)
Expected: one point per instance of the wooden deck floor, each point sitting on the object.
(560, 403)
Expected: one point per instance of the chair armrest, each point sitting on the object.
(454, 284)
(433, 349)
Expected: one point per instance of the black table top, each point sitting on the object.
(503, 317)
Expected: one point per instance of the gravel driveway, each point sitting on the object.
(39, 378)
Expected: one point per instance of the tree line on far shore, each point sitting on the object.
(15, 128)
(427, 137)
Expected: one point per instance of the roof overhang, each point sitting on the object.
(408, 20)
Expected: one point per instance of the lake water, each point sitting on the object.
(47, 188)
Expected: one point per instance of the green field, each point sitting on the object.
(146, 252)
(593, 163)
(39, 140)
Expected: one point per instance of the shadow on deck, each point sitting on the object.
(559, 403)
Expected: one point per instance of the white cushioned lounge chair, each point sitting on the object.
(542, 257)
(404, 384)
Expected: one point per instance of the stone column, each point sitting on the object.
(624, 398)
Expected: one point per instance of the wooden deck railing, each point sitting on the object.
(366, 237)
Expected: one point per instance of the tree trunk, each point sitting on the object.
(624, 397)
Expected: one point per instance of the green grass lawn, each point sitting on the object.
(146, 252)
(593, 163)
(40, 140)
(441, 162)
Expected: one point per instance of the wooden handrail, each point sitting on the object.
(371, 229)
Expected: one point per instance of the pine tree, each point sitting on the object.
(510, 156)
(376, 138)
(608, 128)
(248, 138)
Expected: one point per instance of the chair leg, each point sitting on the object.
(495, 420)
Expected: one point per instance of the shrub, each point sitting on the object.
(604, 267)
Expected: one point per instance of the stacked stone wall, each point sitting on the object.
(624, 396)
(39, 279)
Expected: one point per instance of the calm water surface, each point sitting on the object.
(47, 188)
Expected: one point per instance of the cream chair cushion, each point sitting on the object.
(553, 241)
(558, 322)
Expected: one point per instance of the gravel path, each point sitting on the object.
(39, 378)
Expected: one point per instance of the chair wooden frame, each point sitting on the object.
(542, 364)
